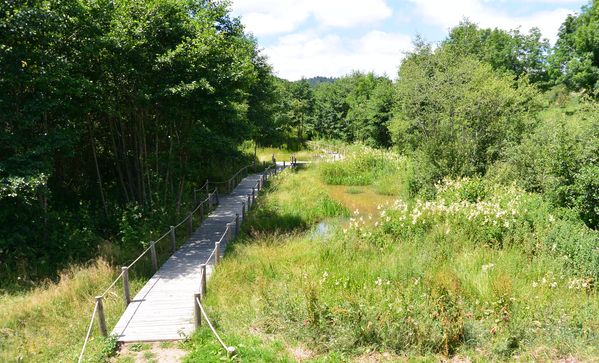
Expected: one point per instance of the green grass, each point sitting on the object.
(449, 284)
(250, 348)
(49, 323)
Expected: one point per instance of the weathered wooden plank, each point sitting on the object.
(162, 310)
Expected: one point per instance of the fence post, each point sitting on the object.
(173, 239)
(195, 196)
(231, 352)
(253, 195)
(283, 164)
(126, 294)
(201, 212)
(189, 224)
(229, 189)
(216, 194)
(101, 317)
(229, 231)
(203, 279)
(154, 257)
(217, 253)
(242, 211)
(207, 187)
(249, 201)
(197, 313)
(236, 224)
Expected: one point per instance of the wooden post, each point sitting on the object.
(253, 195)
(101, 317)
(173, 239)
(236, 224)
(203, 279)
(231, 352)
(229, 232)
(229, 189)
(249, 201)
(216, 194)
(283, 164)
(197, 313)
(189, 224)
(154, 257)
(242, 211)
(207, 187)
(201, 212)
(195, 196)
(126, 293)
(217, 252)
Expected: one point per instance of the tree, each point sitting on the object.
(457, 112)
(524, 55)
(575, 57)
(110, 105)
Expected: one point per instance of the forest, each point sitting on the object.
(112, 112)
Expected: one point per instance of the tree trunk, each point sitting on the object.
(98, 175)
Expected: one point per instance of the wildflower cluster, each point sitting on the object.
(488, 219)
(423, 214)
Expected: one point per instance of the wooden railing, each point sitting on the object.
(201, 209)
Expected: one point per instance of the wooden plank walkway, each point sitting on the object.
(163, 309)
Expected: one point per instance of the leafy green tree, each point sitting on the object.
(354, 108)
(108, 106)
(457, 113)
(301, 108)
(575, 57)
(507, 51)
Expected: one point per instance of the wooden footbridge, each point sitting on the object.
(168, 306)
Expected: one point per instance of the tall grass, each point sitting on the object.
(48, 324)
(363, 165)
(430, 279)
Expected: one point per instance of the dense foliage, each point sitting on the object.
(108, 106)
(575, 59)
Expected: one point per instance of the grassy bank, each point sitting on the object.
(480, 270)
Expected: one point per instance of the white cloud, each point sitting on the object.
(270, 17)
(449, 14)
(309, 54)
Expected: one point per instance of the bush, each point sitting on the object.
(558, 160)
(458, 112)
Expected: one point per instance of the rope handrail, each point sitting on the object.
(202, 202)
(186, 219)
(163, 236)
(231, 178)
(89, 330)
(222, 182)
(183, 221)
(112, 285)
(140, 256)
(210, 257)
(225, 347)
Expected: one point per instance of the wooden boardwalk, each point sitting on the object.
(163, 309)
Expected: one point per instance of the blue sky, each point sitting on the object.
(306, 38)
